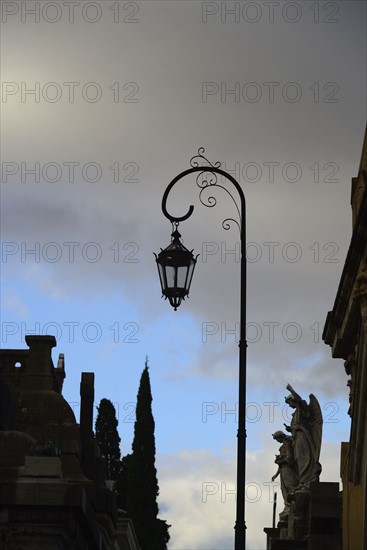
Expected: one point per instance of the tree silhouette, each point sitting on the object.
(108, 438)
(140, 475)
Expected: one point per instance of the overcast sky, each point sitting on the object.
(103, 103)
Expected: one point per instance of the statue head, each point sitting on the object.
(290, 400)
(279, 436)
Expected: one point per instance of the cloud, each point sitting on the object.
(14, 303)
(197, 494)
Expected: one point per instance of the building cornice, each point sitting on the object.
(339, 321)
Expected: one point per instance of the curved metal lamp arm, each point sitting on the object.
(205, 184)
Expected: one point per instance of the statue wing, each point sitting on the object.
(316, 424)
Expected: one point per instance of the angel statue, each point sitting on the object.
(287, 469)
(306, 430)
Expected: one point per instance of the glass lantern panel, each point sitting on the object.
(190, 273)
(170, 274)
(161, 275)
(181, 276)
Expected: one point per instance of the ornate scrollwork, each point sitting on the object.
(206, 179)
(227, 223)
(200, 159)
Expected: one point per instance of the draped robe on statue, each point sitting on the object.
(306, 429)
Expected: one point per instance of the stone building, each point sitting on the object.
(346, 332)
(53, 495)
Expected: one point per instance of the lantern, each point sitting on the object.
(176, 266)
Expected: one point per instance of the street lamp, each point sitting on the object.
(176, 266)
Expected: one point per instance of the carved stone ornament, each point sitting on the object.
(360, 287)
(350, 368)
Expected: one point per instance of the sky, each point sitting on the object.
(103, 104)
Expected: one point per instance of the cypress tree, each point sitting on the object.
(121, 485)
(141, 474)
(108, 438)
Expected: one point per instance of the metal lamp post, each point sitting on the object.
(176, 266)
